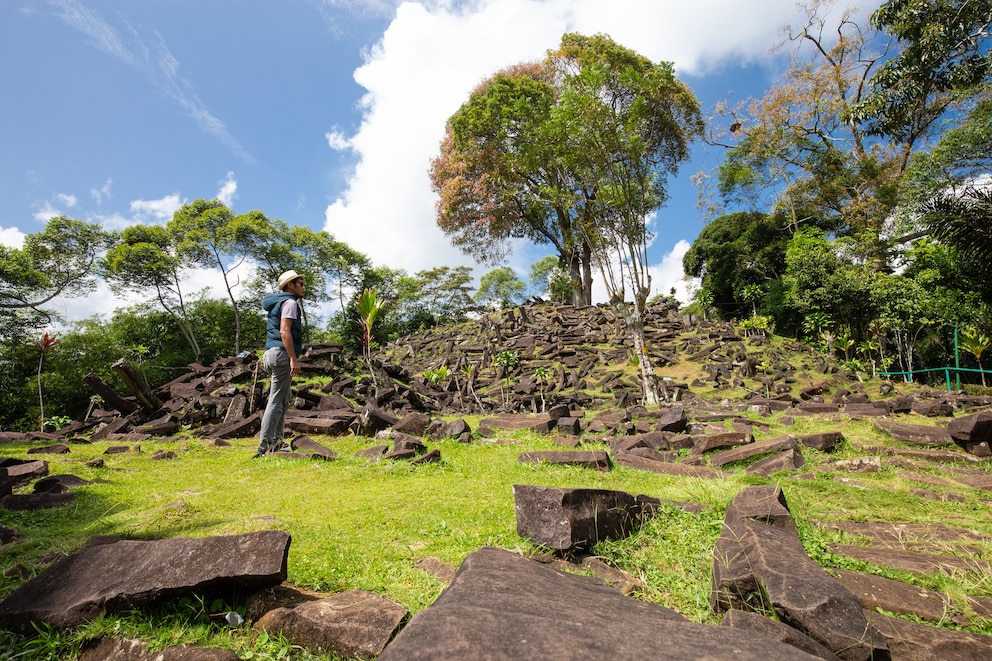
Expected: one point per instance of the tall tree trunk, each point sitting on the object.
(635, 327)
(586, 274)
(575, 277)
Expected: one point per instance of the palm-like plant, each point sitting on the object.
(962, 220)
(369, 305)
(975, 342)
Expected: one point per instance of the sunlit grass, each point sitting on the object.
(360, 524)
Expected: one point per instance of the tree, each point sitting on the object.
(628, 123)
(203, 234)
(548, 278)
(500, 174)
(58, 261)
(812, 145)
(444, 292)
(943, 56)
(500, 288)
(736, 252)
(146, 260)
(976, 343)
(822, 278)
(368, 305)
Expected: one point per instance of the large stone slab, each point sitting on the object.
(762, 567)
(921, 563)
(765, 503)
(916, 434)
(123, 649)
(664, 467)
(973, 433)
(897, 597)
(108, 577)
(561, 518)
(352, 623)
(21, 472)
(751, 450)
(911, 641)
(503, 607)
(29, 502)
(751, 621)
(594, 459)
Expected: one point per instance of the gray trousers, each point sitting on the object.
(276, 363)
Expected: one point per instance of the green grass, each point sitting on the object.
(364, 525)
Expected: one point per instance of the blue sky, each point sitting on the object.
(321, 113)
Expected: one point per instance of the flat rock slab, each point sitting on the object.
(562, 518)
(665, 467)
(751, 450)
(921, 563)
(108, 577)
(916, 434)
(911, 641)
(594, 459)
(766, 626)
(789, 460)
(757, 566)
(898, 533)
(897, 597)
(21, 472)
(511, 421)
(28, 502)
(353, 623)
(121, 649)
(56, 448)
(503, 607)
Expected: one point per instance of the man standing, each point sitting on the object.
(283, 345)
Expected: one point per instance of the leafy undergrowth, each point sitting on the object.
(364, 525)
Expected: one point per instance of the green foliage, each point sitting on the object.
(58, 261)
(438, 375)
(368, 305)
(549, 280)
(736, 255)
(976, 343)
(944, 54)
(758, 324)
(507, 359)
(571, 152)
(500, 288)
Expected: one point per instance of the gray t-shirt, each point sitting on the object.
(290, 309)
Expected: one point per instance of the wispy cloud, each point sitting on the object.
(103, 193)
(155, 61)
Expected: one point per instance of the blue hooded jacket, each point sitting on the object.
(272, 304)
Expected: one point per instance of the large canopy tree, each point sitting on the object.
(204, 234)
(146, 260)
(833, 143)
(628, 123)
(501, 175)
(58, 261)
(574, 152)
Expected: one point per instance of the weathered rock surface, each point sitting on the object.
(565, 518)
(118, 649)
(760, 567)
(592, 459)
(353, 623)
(751, 621)
(910, 641)
(117, 575)
(973, 433)
(502, 607)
